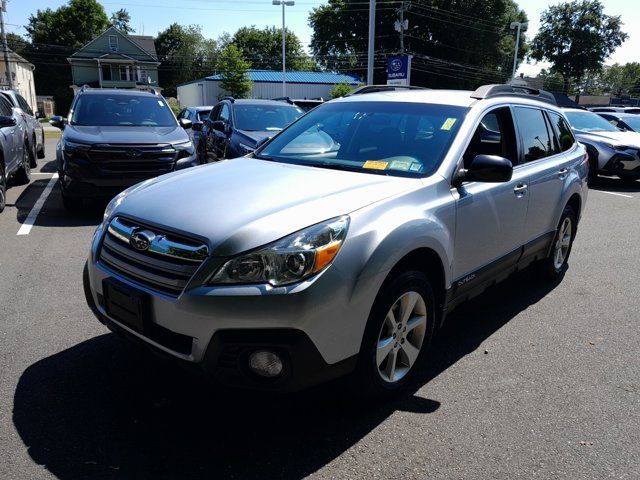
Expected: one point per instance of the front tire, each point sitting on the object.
(555, 265)
(398, 333)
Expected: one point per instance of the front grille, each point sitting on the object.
(143, 159)
(155, 259)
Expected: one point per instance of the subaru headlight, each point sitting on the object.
(619, 148)
(288, 260)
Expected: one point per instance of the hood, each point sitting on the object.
(124, 134)
(632, 139)
(254, 137)
(240, 204)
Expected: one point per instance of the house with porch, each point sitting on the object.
(116, 60)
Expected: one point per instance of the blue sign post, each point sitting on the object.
(399, 70)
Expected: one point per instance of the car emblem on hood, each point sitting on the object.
(141, 240)
(133, 152)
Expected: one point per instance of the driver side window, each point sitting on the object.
(495, 135)
(225, 113)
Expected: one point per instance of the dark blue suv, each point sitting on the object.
(235, 128)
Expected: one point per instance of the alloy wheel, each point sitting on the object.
(401, 337)
(561, 248)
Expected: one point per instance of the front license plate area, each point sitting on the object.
(126, 304)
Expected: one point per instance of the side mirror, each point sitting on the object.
(58, 122)
(7, 121)
(486, 168)
(221, 126)
(186, 124)
(197, 127)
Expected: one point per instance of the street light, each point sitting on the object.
(287, 3)
(517, 25)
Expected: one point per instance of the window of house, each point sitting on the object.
(124, 72)
(113, 43)
(106, 72)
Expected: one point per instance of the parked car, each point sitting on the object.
(15, 162)
(611, 152)
(625, 122)
(197, 116)
(340, 245)
(236, 127)
(35, 132)
(634, 110)
(305, 104)
(113, 139)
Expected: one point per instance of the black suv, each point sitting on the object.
(113, 139)
(235, 128)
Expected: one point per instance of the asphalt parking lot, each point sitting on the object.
(532, 380)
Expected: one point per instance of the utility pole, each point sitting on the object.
(287, 3)
(5, 47)
(518, 26)
(372, 38)
(401, 25)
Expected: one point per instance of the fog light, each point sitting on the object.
(265, 363)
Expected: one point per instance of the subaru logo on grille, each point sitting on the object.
(133, 152)
(141, 240)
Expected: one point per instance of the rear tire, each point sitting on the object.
(397, 335)
(3, 188)
(23, 175)
(555, 265)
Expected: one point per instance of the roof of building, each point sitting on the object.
(14, 57)
(146, 42)
(273, 76)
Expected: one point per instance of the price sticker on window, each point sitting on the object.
(448, 123)
(375, 165)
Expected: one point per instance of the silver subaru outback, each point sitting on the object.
(339, 246)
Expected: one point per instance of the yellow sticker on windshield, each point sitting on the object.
(375, 164)
(448, 123)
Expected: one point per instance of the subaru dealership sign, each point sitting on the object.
(399, 70)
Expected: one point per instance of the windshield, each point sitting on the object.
(391, 138)
(122, 110)
(633, 122)
(589, 122)
(203, 115)
(261, 118)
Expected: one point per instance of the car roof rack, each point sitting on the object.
(509, 90)
(284, 99)
(150, 89)
(228, 97)
(382, 88)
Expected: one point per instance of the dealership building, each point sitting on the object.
(267, 84)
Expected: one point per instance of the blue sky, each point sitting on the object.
(218, 16)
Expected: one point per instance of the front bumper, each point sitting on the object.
(314, 326)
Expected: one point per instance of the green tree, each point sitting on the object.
(121, 20)
(455, 44)
(621, 79)
(17, 43)
(340, 90)
(551, 81)
(263, 48)
(576, 37)
(185, 55)
(233, 68)
(55, 35)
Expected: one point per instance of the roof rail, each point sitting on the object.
(382, 88)
(228, 97)
(84, 87)
(284, 99)
(508, 90)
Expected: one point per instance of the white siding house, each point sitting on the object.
(21, 75)
(267, 84)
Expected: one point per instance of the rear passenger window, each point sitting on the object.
(536, 142)
(563, 131)
(6, 110)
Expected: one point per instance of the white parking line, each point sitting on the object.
(614, 193)
(33, 214)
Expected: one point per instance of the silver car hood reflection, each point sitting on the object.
(244, 203)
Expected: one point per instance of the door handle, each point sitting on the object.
(520, 189)
(563, 171)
